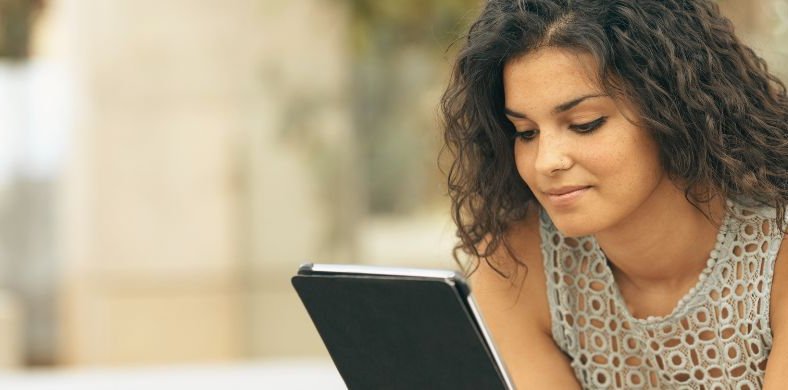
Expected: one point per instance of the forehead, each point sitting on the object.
(549, 75)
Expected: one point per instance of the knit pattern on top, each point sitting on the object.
(717, 337)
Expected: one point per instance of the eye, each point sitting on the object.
(590, 126)
(526, 135)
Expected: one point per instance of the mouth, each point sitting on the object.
(565, 196)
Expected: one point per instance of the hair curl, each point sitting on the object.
(716, 112)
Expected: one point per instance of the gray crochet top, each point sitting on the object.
(717, 337)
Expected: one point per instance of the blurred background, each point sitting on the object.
(165, 166)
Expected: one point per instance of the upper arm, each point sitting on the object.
(777, 366)
(517, 313)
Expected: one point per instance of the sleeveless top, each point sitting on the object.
(717, 337)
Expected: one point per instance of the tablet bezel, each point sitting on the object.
(450, 277)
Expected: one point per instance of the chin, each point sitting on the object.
(574, 225)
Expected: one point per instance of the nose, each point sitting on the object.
(552, 155)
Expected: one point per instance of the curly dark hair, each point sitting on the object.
(716, 112)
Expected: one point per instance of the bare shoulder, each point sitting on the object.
(516, 287)
(779, 293)
(777, 366)
(517, 313)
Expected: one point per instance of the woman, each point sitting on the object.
(620, 180)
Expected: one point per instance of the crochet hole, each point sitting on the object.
(568, 261)
(614, 345)
(737, 251)
(727, 332)
(630, 343)
(596, 304)
(599, 268)
(660, 362)
(652, 379)
(715, 372)
(615, 361)
(681, 376)
(597, 323)
(725, 312)
(633, 361)
(618, 380)
(711, 353)
(667, 329)
(706, 335)
(600, 359)
(673, 342)
(732, 352)
(745, 329)
(738, 371)
(599, 341)
(676, 360)
(584, 265)
(766, 228)
(601, 379)
(634, 379)
(694, 357)
(611, 305)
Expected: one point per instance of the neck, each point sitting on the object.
(665, 245)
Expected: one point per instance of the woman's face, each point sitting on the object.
(586, 163)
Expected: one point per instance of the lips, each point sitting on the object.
(565, 196)
(565, 190)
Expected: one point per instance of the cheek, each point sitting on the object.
(628, 163)
(523, 160)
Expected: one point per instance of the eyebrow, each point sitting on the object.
(563, 107)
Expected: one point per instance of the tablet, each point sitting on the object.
(400, 328)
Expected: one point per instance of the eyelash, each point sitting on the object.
(583, 128)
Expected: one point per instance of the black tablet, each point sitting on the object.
(397, 328)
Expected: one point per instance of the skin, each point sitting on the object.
(628, 206)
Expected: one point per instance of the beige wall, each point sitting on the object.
(175, 142)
